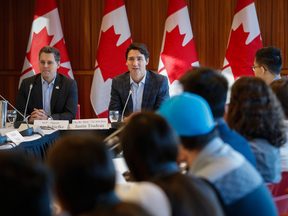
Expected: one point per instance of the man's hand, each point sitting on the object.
(126, 119)
(38, 114)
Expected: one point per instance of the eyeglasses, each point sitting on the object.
(253, 67)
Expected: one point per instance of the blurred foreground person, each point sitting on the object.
(239, 186)
(280, 88)
(150, 148)
(85, 178)
(213, 88)
(24, 185)
(256, 114)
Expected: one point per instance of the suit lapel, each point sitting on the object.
(147, 89)
(126, 89)
(38, 92)
(56, 91)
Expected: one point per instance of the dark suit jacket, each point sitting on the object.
(64, 97)
(156, 90)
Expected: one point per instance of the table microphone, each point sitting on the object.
(125, 105)
(29, 131)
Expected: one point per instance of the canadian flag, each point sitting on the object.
(46, 31)
(245, 39)
(178, 52)
(114, 39)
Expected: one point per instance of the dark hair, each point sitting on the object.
(198, 142)
(208, 84)
(138, 46)
(83, 170)
(24, 185)
(280, 88)
(147, 141)
(255, 112)
(271, 58)
(50, 49)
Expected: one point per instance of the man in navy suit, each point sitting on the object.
(53, 95)
(149, 89)
(213, 88)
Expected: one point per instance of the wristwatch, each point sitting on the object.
(50, 118)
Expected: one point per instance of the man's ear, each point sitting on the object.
(182, 154)
(147, 61)
(58, 65)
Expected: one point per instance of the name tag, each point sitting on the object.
(89, 124)
(52, 124)
(15, 136)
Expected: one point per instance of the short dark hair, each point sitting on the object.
(280, 88)
(147, 141)
(83, 172)
(255, 112)
(24, 185)
(198, 142)
(50, 49)
(271, 58)
(138, 46)
(210, 85)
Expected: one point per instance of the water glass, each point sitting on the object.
(11, 116)
(113, 115)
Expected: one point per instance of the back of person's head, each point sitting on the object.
(190, 115)
(84, 173)
(138, 46)
(24, 185)
(208, 84)
(148, 141)
(270, 58)
(280, 88)
(255, 112)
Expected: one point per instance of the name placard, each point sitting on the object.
(88, 124)
(52, 124)
(15, 136)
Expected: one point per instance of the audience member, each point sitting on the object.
(213, 88)
(85, 178)
(280, 88)
(239, 186)
(150, 149)
(256, 114)
(24, 185)
(267, 64)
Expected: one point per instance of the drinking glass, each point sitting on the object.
(113, 115)
(11, 116)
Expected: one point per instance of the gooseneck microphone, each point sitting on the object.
(30, 88)
(125, 105)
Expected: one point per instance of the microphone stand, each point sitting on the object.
(29, 131)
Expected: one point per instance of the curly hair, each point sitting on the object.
(255, 112)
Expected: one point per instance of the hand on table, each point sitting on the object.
(38, 114)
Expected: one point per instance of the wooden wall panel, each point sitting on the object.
(81, 21)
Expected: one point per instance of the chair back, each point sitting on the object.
(281, 203)
(280, 188)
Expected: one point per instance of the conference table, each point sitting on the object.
(36, 146)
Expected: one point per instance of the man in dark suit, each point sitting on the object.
(149, 89)
(53, 95)
(213, 88)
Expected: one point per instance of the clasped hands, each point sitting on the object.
(38, 114)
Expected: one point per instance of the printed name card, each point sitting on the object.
(90, 124)
(15, 136)
(52, 124)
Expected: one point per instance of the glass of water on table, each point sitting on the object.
(113, 115)
(11, 116)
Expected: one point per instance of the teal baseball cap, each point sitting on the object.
(189, 114)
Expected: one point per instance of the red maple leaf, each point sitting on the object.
(111, 58)
(60, 45)
(38, 41)
(240, 55)
(177, 59)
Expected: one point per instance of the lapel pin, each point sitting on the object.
(57, 87)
